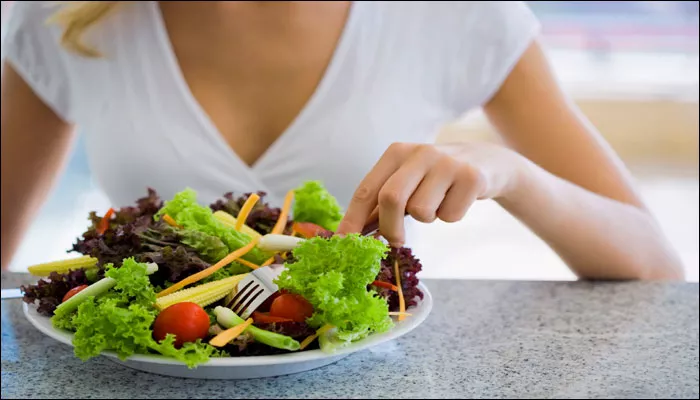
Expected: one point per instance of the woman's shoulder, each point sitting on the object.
(453, 19)
(30, 19)
(471, 46)
(32, 47)
(38, 27)
(32, 11)
(60, 76)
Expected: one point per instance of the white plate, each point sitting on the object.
(246, 367)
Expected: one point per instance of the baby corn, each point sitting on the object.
(62, 266)
(202, 295)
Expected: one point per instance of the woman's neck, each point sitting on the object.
(255, 16)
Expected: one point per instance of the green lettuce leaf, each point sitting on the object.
(107, 323)
(121, 320)
(210, 248)
(313, 203)
(191, 353)
(333, 275)
(133, 284)
(63, 321)
(191, 215)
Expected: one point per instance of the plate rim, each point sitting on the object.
(423, 309)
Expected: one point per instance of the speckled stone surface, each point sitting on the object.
(483, 339)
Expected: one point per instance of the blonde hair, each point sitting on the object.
(77, 17)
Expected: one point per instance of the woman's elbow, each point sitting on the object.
(665, 267)
(670, 271)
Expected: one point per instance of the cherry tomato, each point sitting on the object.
(187, 321)
(265, 318)
(291, 306)
(265, 306)
(73, 292)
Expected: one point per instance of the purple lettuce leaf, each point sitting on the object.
(49, 292)
(409, 267)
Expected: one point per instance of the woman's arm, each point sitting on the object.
(576, 194)
(34, 147)
(559, 178)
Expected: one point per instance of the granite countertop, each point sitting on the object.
(501, 339)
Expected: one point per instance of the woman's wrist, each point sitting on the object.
(521, 176)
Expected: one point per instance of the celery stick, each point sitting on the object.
(228, 319)
(96, 289)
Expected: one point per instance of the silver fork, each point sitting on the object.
(254, 289)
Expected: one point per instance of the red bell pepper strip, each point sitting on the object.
(386, 285)
(104, 222)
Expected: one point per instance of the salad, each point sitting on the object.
(159, 278)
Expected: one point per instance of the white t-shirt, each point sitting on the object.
(401, 71)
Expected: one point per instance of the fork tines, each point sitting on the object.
(245, 297)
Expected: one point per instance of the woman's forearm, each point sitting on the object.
(597, 237)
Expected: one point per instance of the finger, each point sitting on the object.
(374, 215)
(461, 195)
(431, 192)
(395, 193)
(372, 223)
(365, 198)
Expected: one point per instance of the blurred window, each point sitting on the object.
(629, 48)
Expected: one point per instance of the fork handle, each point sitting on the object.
(373, 227)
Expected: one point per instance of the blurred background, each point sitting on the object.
(632, 66)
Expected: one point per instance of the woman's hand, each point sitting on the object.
(430, 182)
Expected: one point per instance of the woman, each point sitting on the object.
(246, 96)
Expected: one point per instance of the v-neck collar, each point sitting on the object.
(324, 85)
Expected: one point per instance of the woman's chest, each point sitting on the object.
(147, 124)
(152, 134)
(250, 106)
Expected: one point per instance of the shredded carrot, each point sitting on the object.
(205, 273)
(395, 313)
(310, 339)
(402, 302)
(170, 221)
(282, 221)
(228, 335)
(268, 261)
(245, 210)
(104, 222)
(248, 264)
(306, 342)
(385, 285)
